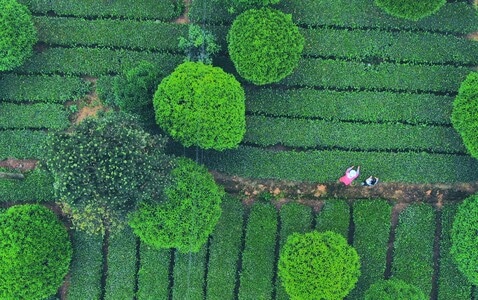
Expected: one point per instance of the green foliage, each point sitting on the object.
(35, 252)
(413, 247)
(153, 274)
(188, 214)
(465, 113)
(258, 256)
(452, 284)
(42, 88)
(39, 115)
(37, 186)
(393, 289)
(86, 267)
(265, 45)
(201, 105)
(134, 90)
(200, 45)
(120, 280)
(22, 144)
(372, 229)
(17, 34)
(104, 168)
(334, 216)
(224, 250)
(410, 9)
(188, 275)
(316, 263)
(464, 239)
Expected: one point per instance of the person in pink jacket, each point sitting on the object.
(350, 175)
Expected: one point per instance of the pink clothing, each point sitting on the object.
(348, 177)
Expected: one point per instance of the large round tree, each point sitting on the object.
(201, 105)
(35, 253)
(318, 266)
(464, 116)
(187, 216)
(464, 238)
(17, 34)
(104, 167)
(410, 9)
(265, 45)
(394, 289)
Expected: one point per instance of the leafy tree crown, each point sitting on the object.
(410, 9)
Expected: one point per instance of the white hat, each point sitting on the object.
(352, 174)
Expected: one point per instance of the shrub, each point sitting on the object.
(35, 252)
(464, 247)
(188, 214)
(393, 289)
(201, 105)
(410, 9)
(265, 45)
(199, 46)
(192, 265)
(17, 34)
(37, 186)
(465, 113)
(316, 263)
(153, 273)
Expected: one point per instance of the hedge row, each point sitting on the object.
(328, 166)
(351, 106)
(189, 275)
(334, 216)
(265, 131)
(153, 274)
(342, 74)
(143, 35)
(95, 61)
(294, 217)
(369, 45)
(413, 246)
(224, 251)
(451, 282)
(163, 10)
(372, 229)
(86, 267)
(22, 144)
(258, 256)
(37, 186)
(41, 115)
(120, 280)
(42, 88)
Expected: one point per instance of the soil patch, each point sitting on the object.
(184, 18)
(21, 165)
(92, 104)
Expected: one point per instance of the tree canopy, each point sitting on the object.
(410, 9)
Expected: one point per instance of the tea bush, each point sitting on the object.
(265, 45)
(35, 252)
(393, 289)
(410, 9)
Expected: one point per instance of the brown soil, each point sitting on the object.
(21, 165)
(184, 18)
(93, 104)
(473, 36)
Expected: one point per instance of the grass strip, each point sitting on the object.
(142, 35)
(329, 165)
(37, 186)
(306, 133)
(413, 246)
(42, 88)
(351, 106)
(224, 251)
(86, 267)
(334, 216)
(189, 275)
(258, 256)
(328, 73)
(122, 258)
(39, 115)
(22, 144)
(372, 229)
(153, 275)
(294, 217)
(451, 282)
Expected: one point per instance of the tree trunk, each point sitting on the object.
(18, 176)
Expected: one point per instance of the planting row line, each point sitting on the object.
(142, 35)
(162, 10)
(94, 61)
(42, 88)
(37, 186)
(39, 115)
(22, 144)
(454, 17)
(351, 106)
(306, 133)
(329, 165)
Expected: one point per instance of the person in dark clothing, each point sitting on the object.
(371, 181)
